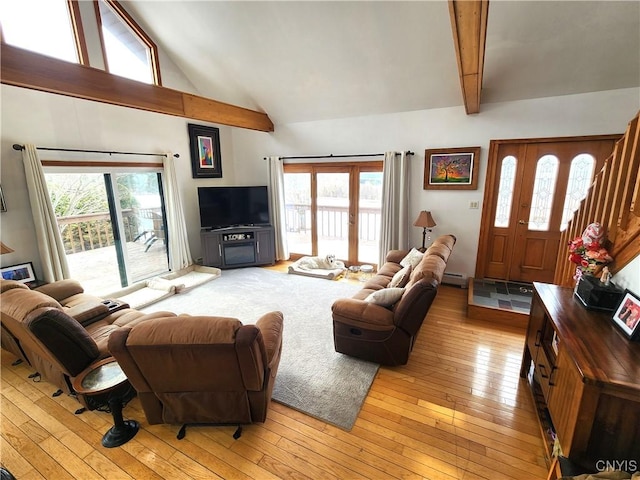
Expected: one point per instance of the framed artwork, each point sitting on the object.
(22, 273)
(205, 151)
(3, 206)
(451, 168)
(627, 315)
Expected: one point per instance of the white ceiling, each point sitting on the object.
(314, 60)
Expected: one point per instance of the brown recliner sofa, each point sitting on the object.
(201, 370)
(59, 341)
(68, 294)
(385, 333)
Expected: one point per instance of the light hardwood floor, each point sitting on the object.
(458, 410)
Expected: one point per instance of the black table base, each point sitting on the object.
(122, 430)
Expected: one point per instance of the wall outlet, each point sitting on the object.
(474, 205)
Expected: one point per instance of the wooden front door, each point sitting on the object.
(532, 189)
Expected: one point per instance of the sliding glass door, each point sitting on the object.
(334, 209)
(112, 224)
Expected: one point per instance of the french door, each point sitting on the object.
(112, 224)
(532, 189)
(334, 209)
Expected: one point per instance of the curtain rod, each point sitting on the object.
(17, 146)
(340, 156)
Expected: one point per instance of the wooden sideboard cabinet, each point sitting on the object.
(585, 376)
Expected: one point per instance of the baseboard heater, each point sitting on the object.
(457, 279)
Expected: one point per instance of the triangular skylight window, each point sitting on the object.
(129, 53)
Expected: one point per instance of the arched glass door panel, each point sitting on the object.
(543, 190)
(580, 177)
(505, 192)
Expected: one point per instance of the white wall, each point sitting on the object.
(57, 121)
(587, 114)
(629, 276)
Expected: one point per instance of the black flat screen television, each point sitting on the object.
(222, 207)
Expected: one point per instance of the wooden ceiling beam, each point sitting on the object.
(23, 68)
(469, 26)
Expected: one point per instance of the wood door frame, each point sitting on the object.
(491, 187)
(352, 168)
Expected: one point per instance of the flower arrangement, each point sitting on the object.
(588, 252)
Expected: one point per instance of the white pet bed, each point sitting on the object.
(142, 294)
(192, 276)
(328, 273)
(153, 290)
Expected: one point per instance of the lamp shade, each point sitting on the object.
(424, 220)
(4, 249)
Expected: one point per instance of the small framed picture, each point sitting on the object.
(627, 315)
(22, 273)
(451, 168)
(205, 151)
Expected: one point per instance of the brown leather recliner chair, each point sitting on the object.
(201, 370)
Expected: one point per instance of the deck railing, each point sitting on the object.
(86, 232)
(89, 231)
(333, 222)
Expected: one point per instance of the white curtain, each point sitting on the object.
(277, 208)
(50, 245)
(179, 253)
(395, 204)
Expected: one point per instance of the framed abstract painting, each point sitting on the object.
(204, 142)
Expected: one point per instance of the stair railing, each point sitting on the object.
(613, 200)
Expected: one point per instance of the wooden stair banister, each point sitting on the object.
(612, 200)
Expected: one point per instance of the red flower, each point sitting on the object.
(588, 255)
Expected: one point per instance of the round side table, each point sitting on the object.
(108, 379)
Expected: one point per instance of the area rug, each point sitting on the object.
(312, 377)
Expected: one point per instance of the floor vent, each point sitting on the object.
(457, 279)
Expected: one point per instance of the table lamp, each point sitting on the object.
(4, 249)
(426, 221)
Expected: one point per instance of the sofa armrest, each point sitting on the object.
(117, 346)
(353, 310)
(87, 313)
(61, 289)
(271, 327)
(6, 285)
(396, 256)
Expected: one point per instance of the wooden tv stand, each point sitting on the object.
(238, 247)
(586, 377)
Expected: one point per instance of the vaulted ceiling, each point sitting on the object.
(312, 60)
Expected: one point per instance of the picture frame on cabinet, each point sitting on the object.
(451, 168)
(206, 160)
(627, 315)
(22, 273)
(3, 206)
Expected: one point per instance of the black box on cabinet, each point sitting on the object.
(594, 294)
